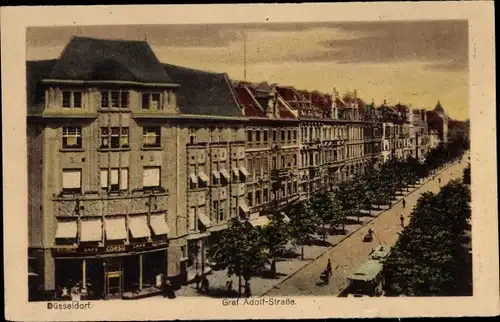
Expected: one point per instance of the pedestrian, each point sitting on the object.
(402, 221)
(205, 284)
(248, 292)
(229, 287)
(439, 180)
(404, 203)
(329, 267)
(197, 279)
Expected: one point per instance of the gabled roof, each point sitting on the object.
(35, 72)
(91, 59)
(204, 93)
(245, 97)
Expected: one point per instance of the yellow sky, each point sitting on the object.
(413, 63)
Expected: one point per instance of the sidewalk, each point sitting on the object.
(287, 268)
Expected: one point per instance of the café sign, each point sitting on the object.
(109, 249)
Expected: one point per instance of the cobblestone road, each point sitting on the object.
(352, 251)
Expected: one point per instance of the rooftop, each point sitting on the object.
(91, 59)
(204, 93)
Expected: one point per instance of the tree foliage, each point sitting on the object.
(239, 250)
(428, 258)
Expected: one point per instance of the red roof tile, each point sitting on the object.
(248, 103)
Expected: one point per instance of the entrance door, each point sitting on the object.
(113, 278)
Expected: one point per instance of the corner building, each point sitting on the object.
(114, 143)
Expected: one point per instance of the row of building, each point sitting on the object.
(135, 166)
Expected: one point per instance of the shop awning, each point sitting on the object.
(66, 229)
(91, 230)
(244, 171)
(138, 226)
(203, 176)
(236, 172)
(225, 174)
(286, 219)
(216, 174)
(194, 178)
(159, 225)
(259, 221)
(115, 228)
(204, 219)
(244, 207)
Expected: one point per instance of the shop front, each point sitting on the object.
(114, 271)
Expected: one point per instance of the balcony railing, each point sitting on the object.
(280, 173)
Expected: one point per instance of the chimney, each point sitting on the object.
(333, 108)
(272, 108)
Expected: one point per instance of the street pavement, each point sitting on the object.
(352, 251)
(301, 277)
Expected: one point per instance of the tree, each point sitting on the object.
(349, 196)
(466, 175)
(337, 214)
(320, 204)
(240, 251)
(275, 236)
(303, 224)
(428, 258)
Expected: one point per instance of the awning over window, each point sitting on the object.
(259, 221)
(138, 226)
(115, 228)
(91, 230)
(66, 229)
(244, 171)
(159, 225)
(194, 178)
(236, 172)
(203, 176)
(216, 174)
(286, 219)
(225, 174)
(243, 206)
(204, 219)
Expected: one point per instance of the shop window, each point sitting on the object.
(265, 195)
(72, 137)
(151, 177)
(72, 181)
(71, 99)
(151, 101)
(151, 136)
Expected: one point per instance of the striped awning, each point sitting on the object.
(66, 229)
(159, 225)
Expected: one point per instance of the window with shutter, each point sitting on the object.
(72, 180)
(151, 177)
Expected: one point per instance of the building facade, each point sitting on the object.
(113, 154)
(136, 166)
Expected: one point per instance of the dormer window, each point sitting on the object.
(151, 101)
(71, 99)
